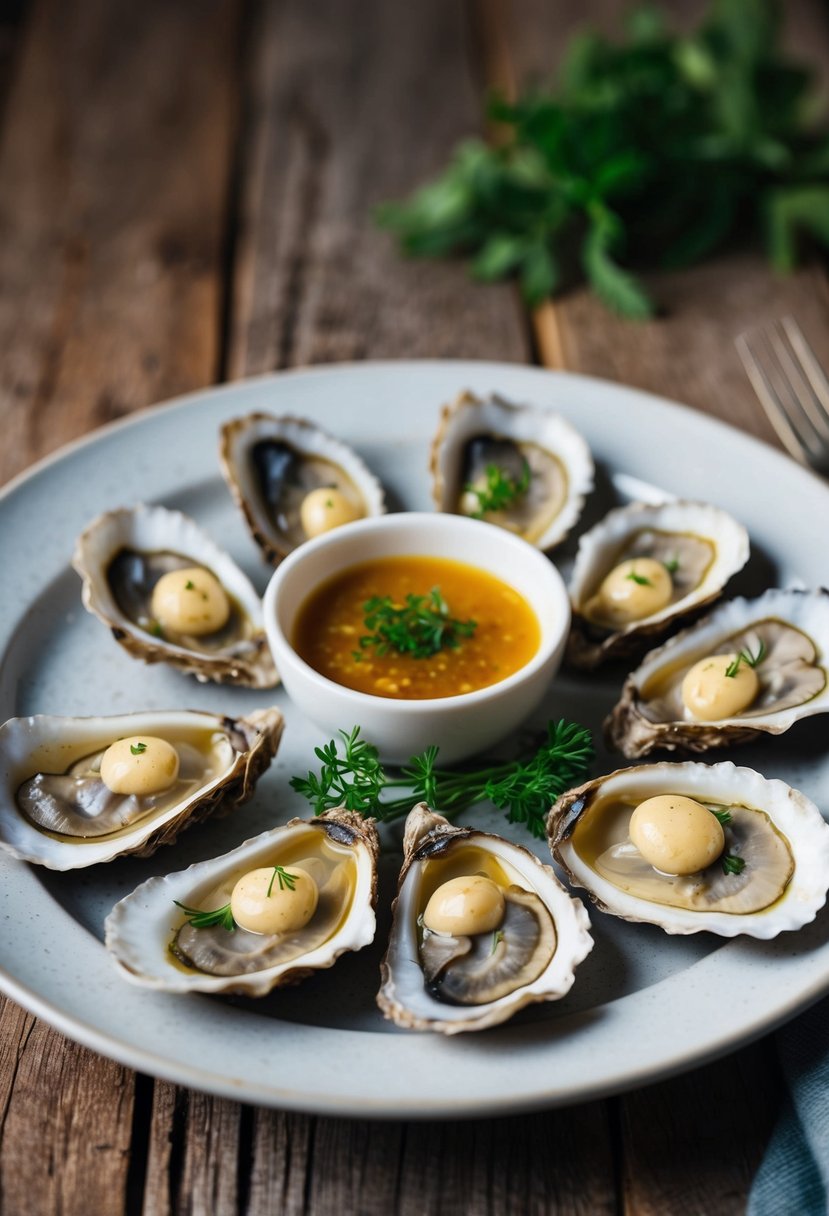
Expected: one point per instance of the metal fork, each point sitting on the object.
(793, 389)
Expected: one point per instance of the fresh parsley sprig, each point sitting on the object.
(732, 864)
(419, 628)
(655, 151)
(500, 489)
(745, 656)
(525, 788)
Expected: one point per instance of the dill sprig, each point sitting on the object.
(745, 656)
(500, 489)
(525, 787)
(419, 628)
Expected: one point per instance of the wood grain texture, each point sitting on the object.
(65, 1118)
(353, 102)
(114, 168)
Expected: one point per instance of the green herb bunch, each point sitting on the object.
(525, 787)
(653, 152)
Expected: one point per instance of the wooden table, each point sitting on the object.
(186, 190)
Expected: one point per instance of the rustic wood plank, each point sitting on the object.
(65, 1116)
(693, 1144)
(354, 102)
(114, 166)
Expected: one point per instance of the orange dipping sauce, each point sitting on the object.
(332, 620)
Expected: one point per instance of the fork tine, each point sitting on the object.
(814, 373)
(796, 395)
(770, 401)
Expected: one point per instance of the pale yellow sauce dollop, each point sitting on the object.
(142, 764)
(466, 905)
(190, 601)
(710, 695)
(675, 834)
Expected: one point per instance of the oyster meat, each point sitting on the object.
(693, 847)
(643, 569)
(169, 595)
(688, 693)
(163, 936)
(523, 468)
(80, 791)
(293, 481)
(481, 928)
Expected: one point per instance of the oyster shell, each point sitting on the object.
(71, 820)
(700, 545)
(458, 983)
(122, 555)
(271, 463)
(155, 946)
(777, 832)
(476, 434)
(790, 629)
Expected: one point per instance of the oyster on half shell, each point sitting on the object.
(459, 981)
(57, 811)
(122, 558)
(618, 605)
(542, 464)
(156, 945)
(771, 876)
(272, 465)
(784, 635)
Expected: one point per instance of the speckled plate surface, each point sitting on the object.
(643, 1006)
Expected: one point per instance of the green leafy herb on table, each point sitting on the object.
(420, 628)
(525, 787)
(653, 152)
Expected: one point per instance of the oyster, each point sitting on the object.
(453, 981)
(783, 637)
(159, 945)
(644, 568)
(56, 809)
(127, 557)
(277, 467)
(770, 874)
(521, 467)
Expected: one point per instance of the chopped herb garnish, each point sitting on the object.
(189, 585)
(671, 565)
(731, 864)
(500, 490)
(745, 656)
(286, 881)
(498, 936)
(419, 628)
(639, 579)
(138, 748)
(156, 630)
(722, 813)
(525, 787)
(329, 502)
(206, 920)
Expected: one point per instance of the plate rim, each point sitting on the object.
(174, 1070)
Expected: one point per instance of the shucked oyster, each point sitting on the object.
(750, 666)
(169, 595)
(481, 928)
(693, 847)
(292, 481)
(523, 468)
(78, 791)
(285, 904)
(643, 569)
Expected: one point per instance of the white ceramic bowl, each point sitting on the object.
(460, 725)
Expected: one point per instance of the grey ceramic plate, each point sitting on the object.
(644, 1005)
